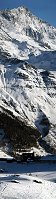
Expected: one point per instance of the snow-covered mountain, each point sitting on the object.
(28, 73)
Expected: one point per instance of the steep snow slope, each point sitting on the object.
(28, 71)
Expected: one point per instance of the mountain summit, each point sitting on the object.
(28, 78)
(26, 37)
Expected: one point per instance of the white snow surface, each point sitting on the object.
(24, 187)
(26, 89)
(25, 181)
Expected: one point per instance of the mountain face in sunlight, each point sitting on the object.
(28, 80)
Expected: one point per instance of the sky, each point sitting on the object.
(45, 9)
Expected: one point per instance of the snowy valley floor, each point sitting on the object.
(27, 180)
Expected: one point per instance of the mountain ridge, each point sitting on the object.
(28, 71)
